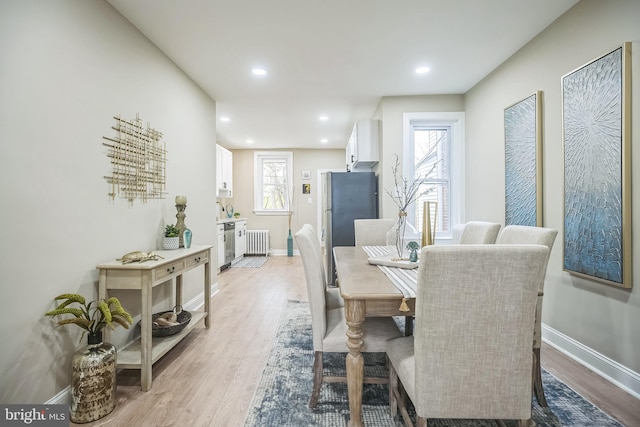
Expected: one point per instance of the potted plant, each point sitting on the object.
(413, 247)
(236, 215)
(93, 368)
(171, 238)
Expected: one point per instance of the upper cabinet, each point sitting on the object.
(224, 172)
(363, 148)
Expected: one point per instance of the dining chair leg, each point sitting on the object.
(421, 422)
(393, 386)
(537, 379)
(317, 379)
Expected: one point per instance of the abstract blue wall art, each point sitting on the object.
(523, 164)
(597, 169)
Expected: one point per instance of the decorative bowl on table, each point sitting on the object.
(164, 324)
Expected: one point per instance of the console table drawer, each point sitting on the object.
(196, 259)
(169, 269)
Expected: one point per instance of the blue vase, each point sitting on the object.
(290, 244)
(187, 238)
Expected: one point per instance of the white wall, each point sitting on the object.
(601, 318)
(66, 68)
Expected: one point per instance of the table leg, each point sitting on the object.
(146, 375)
(207, 292)
(354, 312)
(179, 290)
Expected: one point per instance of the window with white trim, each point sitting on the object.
(434, 147)
(273, 179)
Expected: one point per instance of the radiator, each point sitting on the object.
(257, 242)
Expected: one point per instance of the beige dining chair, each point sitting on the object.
(329, 325)
(479, 232)
(470, 356)
(520, 234)
(334, 299)
(372, 232)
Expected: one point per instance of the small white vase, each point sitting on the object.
(169, 243)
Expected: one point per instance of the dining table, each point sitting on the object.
(368, 290)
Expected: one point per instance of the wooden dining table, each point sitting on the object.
(367, 292)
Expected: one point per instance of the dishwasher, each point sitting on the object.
(229, 243)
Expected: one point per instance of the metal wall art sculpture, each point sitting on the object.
(523, 161)
(138, 159)
(596, 105)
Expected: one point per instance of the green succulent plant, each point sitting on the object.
(93, 316)
(413, 245)
(171, 231)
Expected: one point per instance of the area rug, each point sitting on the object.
(250, 262)
(282, 396)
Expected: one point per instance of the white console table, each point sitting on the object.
(144, 352)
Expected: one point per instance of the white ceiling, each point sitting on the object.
(330, 57)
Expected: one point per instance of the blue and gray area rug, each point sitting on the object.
(282, 396)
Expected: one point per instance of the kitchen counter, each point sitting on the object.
(223, 220)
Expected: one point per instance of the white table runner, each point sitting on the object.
(405, 280)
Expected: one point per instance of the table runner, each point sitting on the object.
(406, 280)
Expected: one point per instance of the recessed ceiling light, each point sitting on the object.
(259, 71)
(224, 119)
(324, 140)
(422, 70)
(323, 118)
(249, 141)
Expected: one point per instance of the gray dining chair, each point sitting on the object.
(329, 324)
(470, 356)
(372, 232)
(520, 234)
(479, 232)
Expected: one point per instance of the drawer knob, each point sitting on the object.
(171, 270)
(197, 259)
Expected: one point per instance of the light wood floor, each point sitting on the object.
(210, 377)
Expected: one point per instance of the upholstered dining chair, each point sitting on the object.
(329, 325)
(372, 232)
(334, 299)
(521, 234)
(479, 232)
(470, 356)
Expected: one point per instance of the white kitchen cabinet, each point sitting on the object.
(224, 172)
(220, 245)
(363, 148)
(241, 238)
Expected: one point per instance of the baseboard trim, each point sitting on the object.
(283, 252)
(62, 398)
(195, 303)
(607, 368)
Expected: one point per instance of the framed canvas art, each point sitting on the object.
(523, 161)
(596, 103)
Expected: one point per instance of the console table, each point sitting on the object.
(143, 277)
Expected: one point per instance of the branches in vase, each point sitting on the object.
(406, 193)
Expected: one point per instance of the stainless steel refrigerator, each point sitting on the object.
(346, 196)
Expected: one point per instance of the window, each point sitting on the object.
(273, 178)
(434, 147)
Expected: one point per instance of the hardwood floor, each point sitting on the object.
(210, 377)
